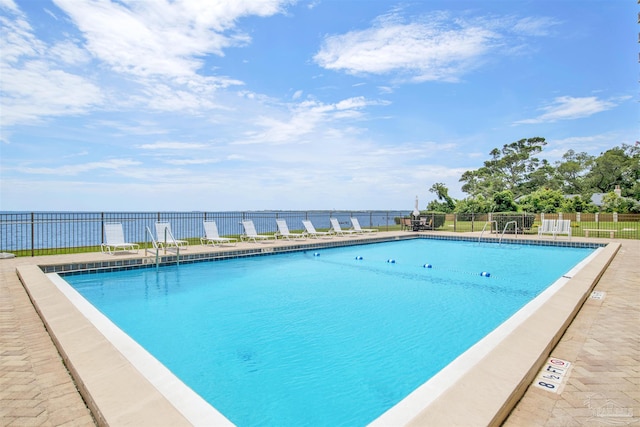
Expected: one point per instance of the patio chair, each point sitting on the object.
(211, 235)
(114, 239)
(165, 237)
(426, 223)
(335, 226)
(250, 233)
(548, 226)
(311, 230)
(283, 231)
(357, 228)
(563, 226)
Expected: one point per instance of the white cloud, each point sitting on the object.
(17, 39)
(305, 118)
(67, 170)
(534, 26)
(32, 87)
(140, 127)
(9, 5)
(155, 48)
(432, 49)
(68, 52)
(569, 108)
(36, 90)
(162, 37)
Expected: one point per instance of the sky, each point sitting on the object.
(189, 105)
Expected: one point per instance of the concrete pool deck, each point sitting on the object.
(602, 343)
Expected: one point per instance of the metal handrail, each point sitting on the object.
(167, 233)
(155, 246)
(485, 226)
(505, 229)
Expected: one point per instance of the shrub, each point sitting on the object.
(544, 200)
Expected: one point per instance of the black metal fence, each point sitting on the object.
(44, 233)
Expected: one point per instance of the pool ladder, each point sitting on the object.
(515, 225)
(158, 245)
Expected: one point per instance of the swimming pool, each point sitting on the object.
(372, 329)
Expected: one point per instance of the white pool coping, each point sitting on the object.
(433, 403)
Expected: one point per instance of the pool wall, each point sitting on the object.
(118, 394)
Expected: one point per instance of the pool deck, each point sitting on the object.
(602, 343)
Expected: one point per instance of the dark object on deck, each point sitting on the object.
(422, 223)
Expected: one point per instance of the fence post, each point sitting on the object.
(102, 228)
(33, 235)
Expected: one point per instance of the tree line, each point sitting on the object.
(514, 179)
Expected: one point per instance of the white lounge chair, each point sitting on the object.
(114, 239)
(311, 230)
(165, 238)
(250, 233)
(211, 235)
(357, 228)
(335, 226)
(548, 226)
(563, 226)
(283, 231)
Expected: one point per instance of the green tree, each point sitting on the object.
(617, 166)
(632, 175)
(508, 169)
(571, 171)
(545, 176)
(480, 182)
(611, 202)
(445, 203)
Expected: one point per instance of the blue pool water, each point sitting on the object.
(323, 337)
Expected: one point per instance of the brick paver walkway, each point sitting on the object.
(35, 387)
(603, 343)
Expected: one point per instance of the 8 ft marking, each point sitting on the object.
(552, 374)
